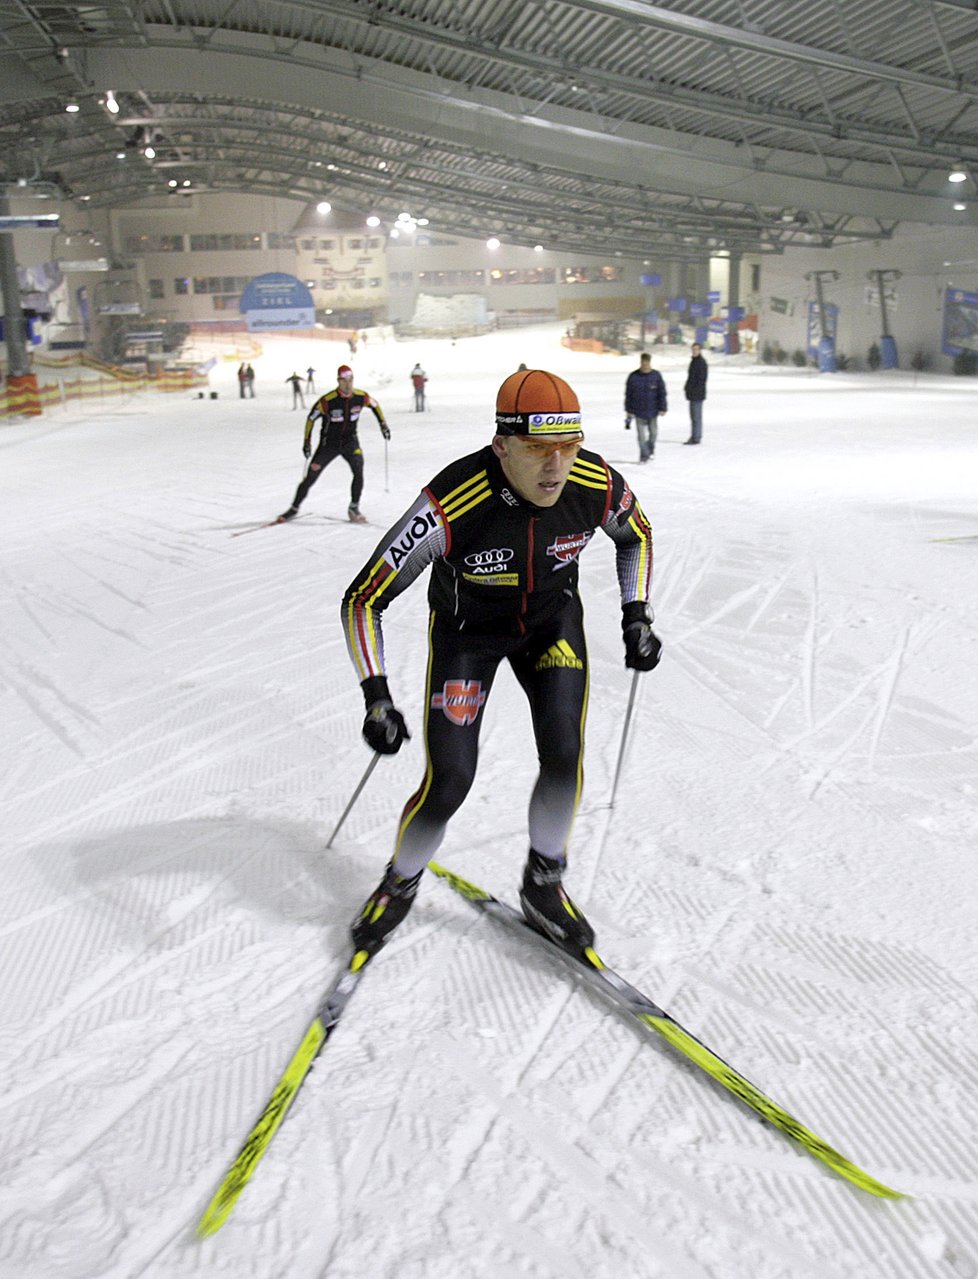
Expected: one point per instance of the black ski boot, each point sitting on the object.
(547, 906)
(383, 910)
(290, 514)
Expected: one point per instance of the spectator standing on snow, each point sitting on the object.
(645, 400)
(418, 380)
(695, 391)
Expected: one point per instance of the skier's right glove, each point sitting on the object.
(628, 423)
(384, 729)
(642, 646)
(306, 449)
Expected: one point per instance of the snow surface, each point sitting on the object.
(788, 868)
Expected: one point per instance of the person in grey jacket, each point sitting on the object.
(695, 390)
(645, 400)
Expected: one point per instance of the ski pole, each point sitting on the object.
(624, 736)
(354, 797)
(386, 485)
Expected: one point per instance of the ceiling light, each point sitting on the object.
(120, 155)
(959, 207)
(110, 103)
(492, 243)
(331, 166)
(186, 182)
(373, 220)
(422, 221)
(957, 174)
(172, 182)
(395, 234)
(149, 152)
(382, 164)
(324, 207)
(71, 107)
(538, 248)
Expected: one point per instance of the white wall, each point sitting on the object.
(918, 251)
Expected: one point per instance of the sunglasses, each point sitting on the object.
(541, 449)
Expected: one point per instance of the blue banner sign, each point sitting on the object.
(713, 295)
(700, 308)
(277, 301)
(650, 281)
(960, 322)
(733, 312)
(676, 304)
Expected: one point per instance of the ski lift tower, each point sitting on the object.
(826, 342)
(888, 346)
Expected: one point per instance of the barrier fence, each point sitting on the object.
(34, 393)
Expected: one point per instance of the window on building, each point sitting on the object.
(277, 240)
(220, 283)
(219, 243)
(354, 244)
(591, 274)
(224, 302)
(154, 243)
(375, 282)
(309, 245)
(373, 243)
(156, 288)
(328, 245)
(755, 277)
(181, 285)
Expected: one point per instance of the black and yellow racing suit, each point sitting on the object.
(503, 584)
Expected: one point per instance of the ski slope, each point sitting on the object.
(788, 867)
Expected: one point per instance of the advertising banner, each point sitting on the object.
(276, 302)
(960, 322)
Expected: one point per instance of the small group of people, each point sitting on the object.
(646, 401)
(246, 381)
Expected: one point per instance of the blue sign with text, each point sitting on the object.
(275, 302)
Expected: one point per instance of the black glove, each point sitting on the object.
(385, 430)
(642, 647)
(628, 423)
(384, 729)
(306, 449)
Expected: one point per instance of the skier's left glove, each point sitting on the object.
(385, 430)
(628, 422)
(642, 646)
(384, 729)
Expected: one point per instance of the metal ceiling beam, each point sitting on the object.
(668, 95)
(640, 12)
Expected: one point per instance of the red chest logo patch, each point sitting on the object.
(461, 700)
(567, 548)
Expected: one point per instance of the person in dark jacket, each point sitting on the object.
(695, 390)
(645, 400)
(502, 530)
